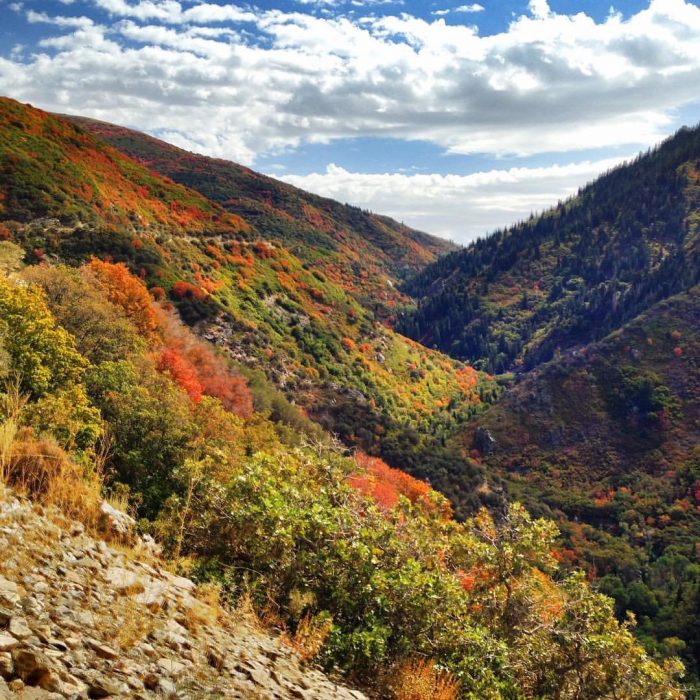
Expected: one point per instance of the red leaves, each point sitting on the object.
(199, 370)
(187, 290)
(181, 372)
(385, 484)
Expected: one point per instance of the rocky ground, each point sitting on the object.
(83, 619)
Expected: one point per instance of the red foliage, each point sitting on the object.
(187, 290)
(158, 293)
(181, 372)
(677, 351)
(264, 250)
(385, 484)
(214, 376)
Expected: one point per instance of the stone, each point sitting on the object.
(150, 680)
(115, 524)
(167, 688)
(101, 686)
(7, 642)
(171, 667)
(18, 628)
(35, 668)
(7, 668)
(123, 580)
(102, 650)
(5, 617)
(9, 592)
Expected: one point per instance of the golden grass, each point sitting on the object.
(420, 679)
(310, 636)
(40, 469)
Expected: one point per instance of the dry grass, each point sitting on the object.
(207, 610)
(11, 405)
(39, 469)
(134, 623)
(310, 636)
(420, 679)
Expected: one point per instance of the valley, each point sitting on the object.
(338, 417)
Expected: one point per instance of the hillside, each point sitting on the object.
(572, 274)
(48, 168)
(365, 253)
(359, 566)
(605, 440)
(82, 619)
(312, 333)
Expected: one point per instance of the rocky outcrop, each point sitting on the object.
(80, 619)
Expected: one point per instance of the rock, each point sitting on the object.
(116, 525)
(123, 580)
(101, 686)
(102, 650)
(9, 592)
(5, 692)
(484, 441)
(6, 666)
(171, 667)
(7, 642)
(35, 668)
(150, 680)
(166, 688)
(18, 628)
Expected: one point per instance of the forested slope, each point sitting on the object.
(572, 274)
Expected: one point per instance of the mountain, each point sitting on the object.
(358, 566)
(174, 369)
(312, 333)
(605, 440)
(367, 254)
(572, 274)
(50, 169)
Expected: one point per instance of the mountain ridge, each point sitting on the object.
(571, 274)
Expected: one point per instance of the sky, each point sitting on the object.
(455, 118)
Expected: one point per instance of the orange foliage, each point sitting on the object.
(128, 292)
(214, 376)
(264, 250)
(181, 372)
(182, 290)
(348, 343)
(385, 484)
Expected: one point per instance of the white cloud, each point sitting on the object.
(461, 207)
(171, 12)
(474, 7)
(41, 17)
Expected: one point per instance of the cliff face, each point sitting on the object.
(81, 619)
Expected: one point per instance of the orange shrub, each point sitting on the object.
(420, 679)
(128, 292)
(187, 290)
(181, 372)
